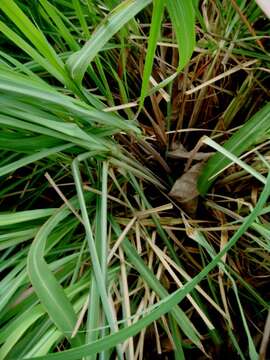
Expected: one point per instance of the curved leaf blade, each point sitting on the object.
(48, 290)
(79, 61)
(158, 7)
(31, 32)
(165, 305)
(183, 19)
(250, 133)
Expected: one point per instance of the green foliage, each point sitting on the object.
(96, 257)
(252, 132)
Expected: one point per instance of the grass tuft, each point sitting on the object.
(134, 199)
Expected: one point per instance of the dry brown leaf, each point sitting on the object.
(185, 188)
(181, 153)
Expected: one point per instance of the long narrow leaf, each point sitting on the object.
(158, 8)
(166, 304)
(45, 284)
(179, 315)
(25, 87)
(23, 216)
(183, 19)
(13, 11)
(99, 276)
(32, 158)
(79, 61)
(250, 133)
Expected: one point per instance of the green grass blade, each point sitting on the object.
(94, 320)
(32, 52)
(94, 143)
(155, 218)
(158, 8)
(79, 61)
(249, 169)
(51, 122)
(18, 328)
(183, 321)
(23, 216)
(252, 132)
(53, 13)
(200, 239)
(183, 19)
(11, 239)
(251, 346)
(166, 304)
(179, 315)
(47, 288)
(10, 290)
(44, 344)
(80, 14)
(93, 315)
(13, 11)
(103, 219)
(21, 85)
(12, 63)
(32, 158)
(99, 276)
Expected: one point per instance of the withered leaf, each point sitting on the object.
(185, 188)
(181, 153)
